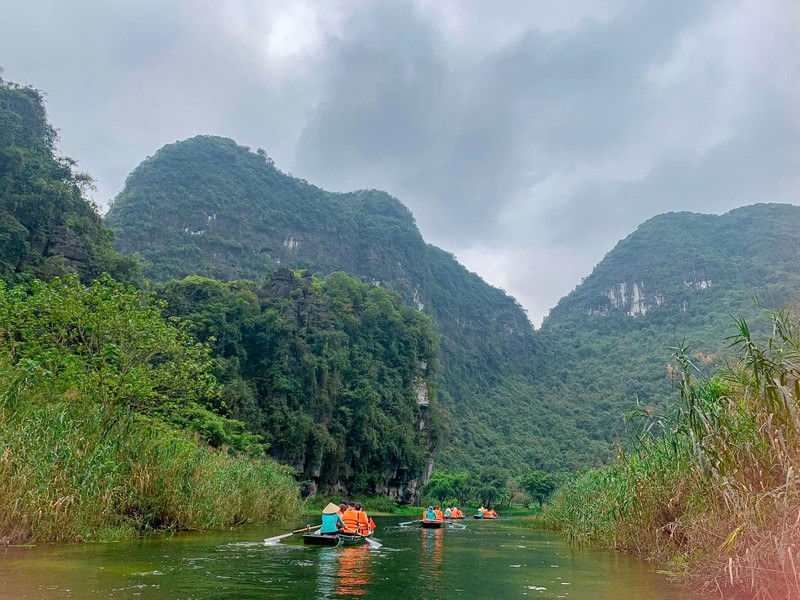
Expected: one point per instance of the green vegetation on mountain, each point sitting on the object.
(715, 493)
(678, 280)
(336, 375)
(47, 227)
(208, 207)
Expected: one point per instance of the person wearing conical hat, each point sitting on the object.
(331, 521)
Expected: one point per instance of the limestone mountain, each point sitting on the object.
(678, 281)
(207, 206)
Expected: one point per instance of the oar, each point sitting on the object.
(374, 544)
(409, 523)
(459, 525)
(277, 538)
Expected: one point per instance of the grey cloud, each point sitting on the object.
(761, 163)
(459, 149)
(528, 136)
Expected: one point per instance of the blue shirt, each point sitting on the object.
(329, 523)
(430, 516)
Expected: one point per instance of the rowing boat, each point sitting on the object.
(432, 524)
(333, 539)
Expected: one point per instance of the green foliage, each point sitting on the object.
(47, 228)
(104, 408)
(538, 484)
(326, 370)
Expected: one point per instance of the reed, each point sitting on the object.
(71, 469)
(716, 493)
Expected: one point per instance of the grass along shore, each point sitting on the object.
(69, 473)
(716, 495)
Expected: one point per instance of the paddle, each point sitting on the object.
(409, 523)
(277, 538)
(374, 544)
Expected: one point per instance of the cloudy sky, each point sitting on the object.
(527, 137)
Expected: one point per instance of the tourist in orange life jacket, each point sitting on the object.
(439, 513)
(364, 527)
(350, 518)
(342, 508)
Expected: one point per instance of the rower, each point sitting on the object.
(429, 515)
(331, 521)
(448, 513)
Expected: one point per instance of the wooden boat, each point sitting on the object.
(477, 516)
(425, 523)
(333, 539)
(321, 539)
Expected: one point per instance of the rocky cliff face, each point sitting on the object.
(634, 299)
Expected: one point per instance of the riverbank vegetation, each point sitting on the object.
(713, 490)
(110, 422)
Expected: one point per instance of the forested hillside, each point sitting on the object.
(47, 228)
(678, 281)
(335, 375)
(209, 207)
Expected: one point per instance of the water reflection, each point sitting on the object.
(431, 555)
(345, 571)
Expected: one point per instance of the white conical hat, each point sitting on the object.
(331, 509)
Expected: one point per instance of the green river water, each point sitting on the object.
(492, 559)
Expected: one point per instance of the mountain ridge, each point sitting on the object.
(169, 213)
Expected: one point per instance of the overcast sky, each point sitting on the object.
(527, 137)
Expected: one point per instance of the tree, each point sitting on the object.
(539, 485)
(440, 486)
(490, 487)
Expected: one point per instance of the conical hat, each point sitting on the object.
(331, 509)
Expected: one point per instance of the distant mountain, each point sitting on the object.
(678, 280)
(207, 206)
(513, 398)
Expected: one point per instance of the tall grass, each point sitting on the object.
(73, 469)
(716, 493)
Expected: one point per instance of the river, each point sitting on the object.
(486, 559)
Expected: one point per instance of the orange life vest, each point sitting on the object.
(363, 522)
(350, 518)
(439, 515)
